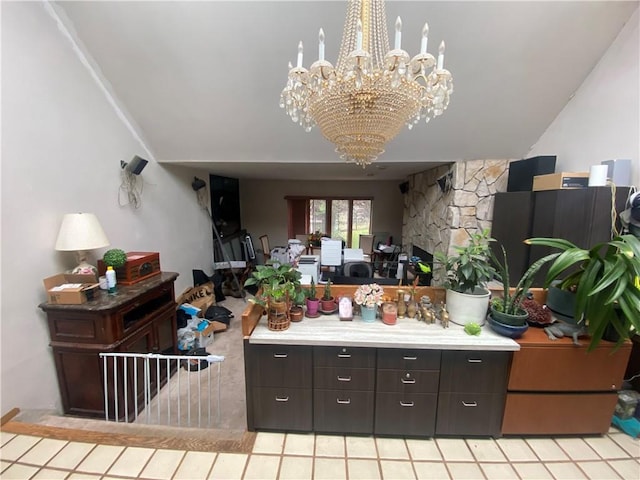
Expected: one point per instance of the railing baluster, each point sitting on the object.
(125, 386)
(115, 387)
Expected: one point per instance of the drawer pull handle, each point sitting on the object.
(344, 355)
(343, 402)
(280, 355)
(410, 358)
(408, 380)
(344, 379)
(406, 404)
(470, 404)
(282, 399)
(474, 360)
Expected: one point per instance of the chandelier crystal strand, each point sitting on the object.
(364, 101)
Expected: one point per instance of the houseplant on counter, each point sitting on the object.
(605, 281)
(508, 308)
(313, 303)
(278, 285)
(467, 273)
(327, 301)
(369, 297)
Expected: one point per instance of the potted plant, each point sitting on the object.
(327, 302)
(604, 277)
(278, 284)
(369, 297)
(313, 303)
(296, 311)
(508, 308)
(467, 273)
(115, 258)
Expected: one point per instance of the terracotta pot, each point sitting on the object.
(328, 305)
(296, 313)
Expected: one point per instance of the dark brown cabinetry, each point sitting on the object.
(279, 387)
(472, 392)
(582, 216)
(385, 391)
(407, 392)
(139, 319)
(343, 389)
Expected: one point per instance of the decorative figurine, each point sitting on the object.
(444, 317)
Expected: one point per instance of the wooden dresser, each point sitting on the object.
(557, 388)
(141, 318)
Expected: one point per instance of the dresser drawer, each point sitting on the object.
(344, 357)
(408, 359)
(282, 408)
(469, 414)
(280, 366)
(474, 371)
(343, 411)
(405, 414)
(344, 378)
(408, 381)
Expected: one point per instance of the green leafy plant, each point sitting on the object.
(470, 267)
(311, 292)
(605, 281)
(327, 291)
(276, 282)
(115, 258)
(511, 301)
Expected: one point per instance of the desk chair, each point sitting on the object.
(266, 250)
(366, 244)
(357, 269)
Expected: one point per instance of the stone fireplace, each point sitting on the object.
(441, 214)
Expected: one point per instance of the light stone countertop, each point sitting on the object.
(329, 330)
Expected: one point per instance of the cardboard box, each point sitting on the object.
(561, 180)
(69, 289)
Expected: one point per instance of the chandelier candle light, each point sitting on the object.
(363, 102)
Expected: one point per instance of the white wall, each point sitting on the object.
(264, 209)
(602, 120)
(61, 148)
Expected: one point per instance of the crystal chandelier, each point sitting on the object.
(363, 102)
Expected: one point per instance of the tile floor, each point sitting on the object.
(298, 456)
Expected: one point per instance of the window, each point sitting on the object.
(345, 218)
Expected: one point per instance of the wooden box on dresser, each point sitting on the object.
(140, 318)
(558, 388)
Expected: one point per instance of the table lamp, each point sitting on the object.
(80, 232)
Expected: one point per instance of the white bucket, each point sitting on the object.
(465, 308)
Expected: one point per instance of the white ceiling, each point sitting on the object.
(202, 80)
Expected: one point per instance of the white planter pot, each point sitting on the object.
(465, 308)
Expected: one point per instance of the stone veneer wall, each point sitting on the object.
(436, 221)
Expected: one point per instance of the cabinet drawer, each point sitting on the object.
(280, 365)
(408, 381)
(408, 359)
(469, 414)
(342, 378)
(405, 414)
(343, 411)
(558, 413)
(344, 357)
(572, 368)
(282, 408)
(473, 371)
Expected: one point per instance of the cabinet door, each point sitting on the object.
(342, 378)
(343, 411)
(166, 332)
(405, 414)
(474, 371)
(407, 381)
(80, 378)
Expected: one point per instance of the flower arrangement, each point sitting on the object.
(369, 295)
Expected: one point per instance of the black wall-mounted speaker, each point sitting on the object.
(404, 187)
(136, 165)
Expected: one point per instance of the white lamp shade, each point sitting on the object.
(81, 231)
